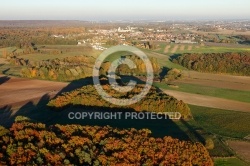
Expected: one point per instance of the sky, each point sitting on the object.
(105, 10)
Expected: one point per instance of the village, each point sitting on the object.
(102, 37)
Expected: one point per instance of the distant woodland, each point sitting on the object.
(232, 63)
(21, 36)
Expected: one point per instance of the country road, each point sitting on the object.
(208, 101)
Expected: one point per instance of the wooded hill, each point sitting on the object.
(154, 101)
(27, 143)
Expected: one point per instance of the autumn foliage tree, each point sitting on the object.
(27, 143)
(67, 69)
(154, 101)
(233, 63)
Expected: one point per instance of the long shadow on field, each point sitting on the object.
(159, 127)
(174, 56)
(4, 79)
(39, 112)
(195, 133)
(30, 109)
(5, 115)
(75, 84)
(5, 71)
(118, 118)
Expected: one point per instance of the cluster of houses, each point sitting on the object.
(97, 46)
(58, 36)
(97, 37)
(179, 33)
(183, 41)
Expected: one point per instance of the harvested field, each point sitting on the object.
(166, 50)
(182, 47)
(190, 48)
(216, 80)
(241, 148)
(174, 49)
(18, 91)
(208, 101)
(3, 61)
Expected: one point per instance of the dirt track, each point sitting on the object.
(209, 101)
(241, 148)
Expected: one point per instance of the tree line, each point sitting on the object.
(66, 69)
(123, 69)
(232, 63)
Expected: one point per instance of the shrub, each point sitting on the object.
(21, 119)
(209, 143)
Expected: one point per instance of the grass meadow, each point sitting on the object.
(237, 95)
(222, 122)
(170, 49)
(229, 162)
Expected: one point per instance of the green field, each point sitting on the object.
(207, 49)
(40, 57)
(9, 49)
(197, 133)
(117, 55)
(73, 51)
(217, 124)
(231, 94)
(10, 69)
(222, 122)
(197, 48)
(162, 59)
(228, 162)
